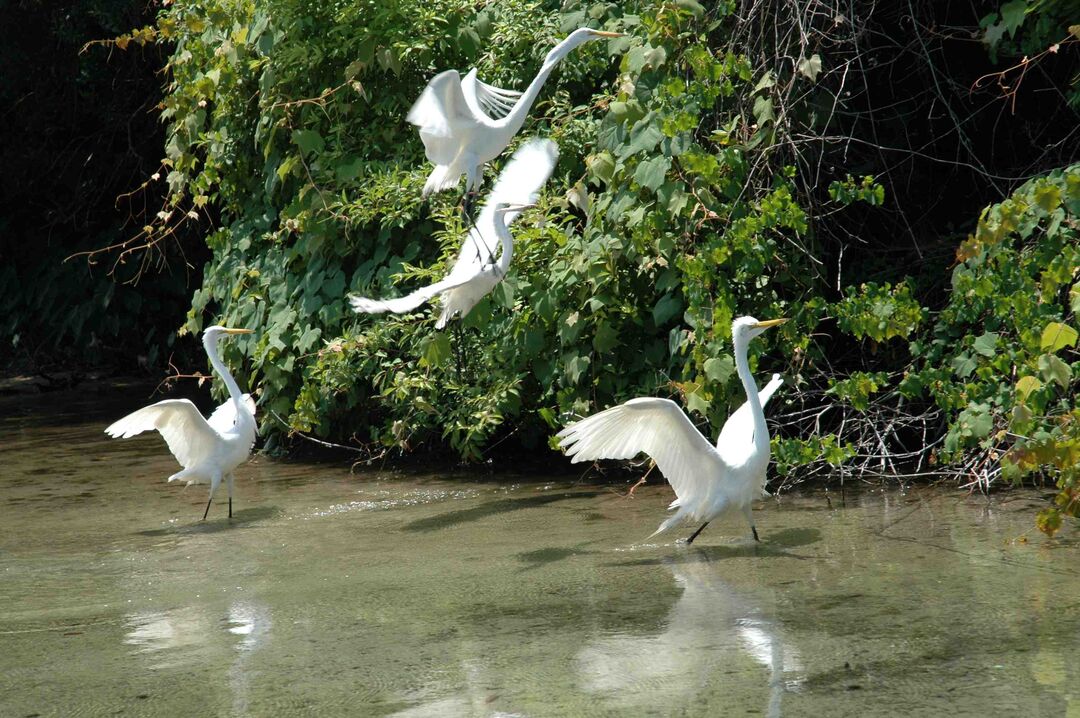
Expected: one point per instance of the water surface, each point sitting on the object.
(380, 594)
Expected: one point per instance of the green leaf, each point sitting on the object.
(1057, 336)
(963, 364)
(606, 338)
(810, 67)
(308, 141)
(1074, 299)
(575, 365)
(719, 369)
(643, 138)
(668, 306)
(763, 110)
(349, 169)
(986, 344)
(650, 173)
(696, 401)
(1053, 369)
(1026, 385)
(435, 349)
(1012, 15)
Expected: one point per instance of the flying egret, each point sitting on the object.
(707, 481)
(208, 449)
(466, 123)
(476, 271)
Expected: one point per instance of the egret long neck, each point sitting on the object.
(516, 117)
(761, 431)
(506, 241)
(210, 344)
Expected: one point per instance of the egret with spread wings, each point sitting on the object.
(466, 123)
(476, 271)
(708, 481)
(207, 449)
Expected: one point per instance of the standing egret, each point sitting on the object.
(707, 481)
(476, 272)
(208, 449)
(466, 123)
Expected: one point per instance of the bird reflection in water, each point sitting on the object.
(707, 636)
(192, 635)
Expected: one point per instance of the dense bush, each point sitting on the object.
(710, 167)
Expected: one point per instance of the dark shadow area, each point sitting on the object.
(453, 518)
(771, 546)
(545, 556)
(240, 519)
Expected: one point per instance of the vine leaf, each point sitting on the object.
(1057, 336)
(810, 67)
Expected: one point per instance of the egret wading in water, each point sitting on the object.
(208, 449)
(476, 270)
(466, 123)
(708, 481)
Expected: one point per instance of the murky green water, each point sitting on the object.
(377, 594)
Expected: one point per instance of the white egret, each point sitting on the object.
(476, 272)
(207, 449)
(466, 123)
(707, 481)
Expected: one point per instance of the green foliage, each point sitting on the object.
(865, 190)
(879, 312)
(1001, 357)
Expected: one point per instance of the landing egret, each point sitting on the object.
(208, 449)
(476, 272)
(707, 481)
(466, 123)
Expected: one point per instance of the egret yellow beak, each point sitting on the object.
(516, 207)
(602, 33)
(770, 323)
(239, 331)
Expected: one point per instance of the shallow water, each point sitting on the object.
(377, 594)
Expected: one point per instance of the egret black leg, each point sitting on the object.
(459, 350)
(230, 510)
(694, 535)
(207, 507)
(468, 205)
(754, 529)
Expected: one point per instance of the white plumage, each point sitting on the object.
(207, 449)
(708, 481)
(465, 123)
(476, 270)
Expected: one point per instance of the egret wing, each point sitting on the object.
(485, 99)
(438, 109)
(190, 438)
(738, 430)
(224, 417)
(399, 305)
(519, 183)
(657, 427)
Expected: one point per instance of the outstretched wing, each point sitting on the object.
(739, 428)
(438, 109)
(657, 427)
(487, 100)
(400, 305)
(519, 183)
(224, 417)
(190, 438)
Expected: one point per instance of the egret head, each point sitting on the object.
(215, 332)
(504, 207)
(578, 37)
(744, 329)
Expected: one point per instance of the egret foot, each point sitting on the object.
(695, 534)
(754, 529)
